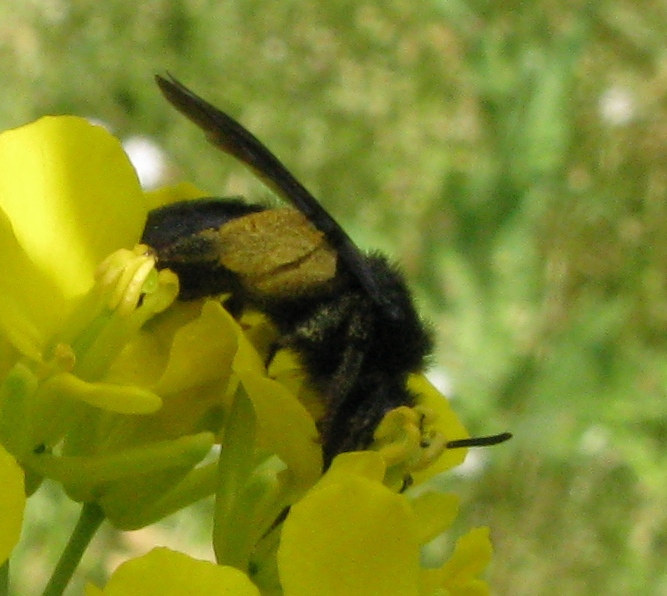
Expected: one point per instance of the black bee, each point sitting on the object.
(347, 314)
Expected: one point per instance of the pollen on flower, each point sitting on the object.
(64, 356)
(128, 291)
(128, 271)
(407, 442)
(397, 437)
(433, 443)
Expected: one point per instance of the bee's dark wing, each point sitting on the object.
(227, 134)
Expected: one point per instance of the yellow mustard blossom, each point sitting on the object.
(118, 391)
(64, 209)
(65, 412)
(122, 396)
(352, 535)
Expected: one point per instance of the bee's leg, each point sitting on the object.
(333, 343)
(347, 372)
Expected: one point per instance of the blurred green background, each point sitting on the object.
(510, 155)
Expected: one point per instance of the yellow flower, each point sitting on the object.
(109, 386)
(68, 198)
(69, 408)
(352, 535)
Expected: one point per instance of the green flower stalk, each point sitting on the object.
(116, 390)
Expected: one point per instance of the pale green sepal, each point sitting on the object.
(132, 504)
(256, 507)
(254, 487)
(235, 465)
(285, 427)
(86, 478)
(197, 484)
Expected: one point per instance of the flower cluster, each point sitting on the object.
(121, 393)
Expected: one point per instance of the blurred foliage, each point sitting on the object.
(511, 155)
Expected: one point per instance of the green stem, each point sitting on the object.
(89, 521)
(4, 578)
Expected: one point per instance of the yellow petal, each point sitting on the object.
(287, 370)
(163, 572)
(32, 305)
(352, 536)
(285, 428)
(460, 575)
(202, 350)
(260, 332)
(72, 197)
(68, 197)
(247, 358)
(12, 504)
(436, 512)
(367, 464)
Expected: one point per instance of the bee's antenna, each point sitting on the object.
(479, 441)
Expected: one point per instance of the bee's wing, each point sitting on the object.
(227, 134)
